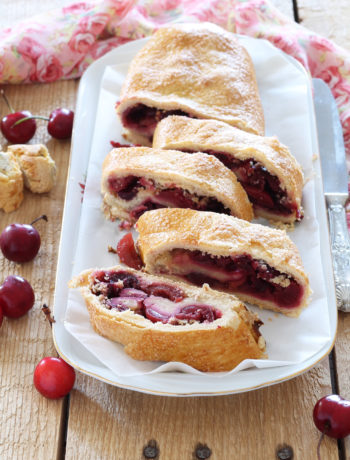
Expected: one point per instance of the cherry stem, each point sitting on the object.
(319, 446)
(47, 312)
(33, 117)
(7, 101)
(38, 218)
(111, 249)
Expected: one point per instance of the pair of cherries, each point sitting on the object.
(18, 243)
(20, 127)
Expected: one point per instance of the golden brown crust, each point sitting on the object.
(197, 173)
(217, 346)
(11, 182)
(37, 166)
(163, 230)
(200, 69)
(183, 133)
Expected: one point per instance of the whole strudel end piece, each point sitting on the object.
(161, 320)
(137, 179)
(269, 173)
(197, 70)
(260, 265)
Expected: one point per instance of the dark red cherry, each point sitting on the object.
(60, 124)
(21, 133)
(16, 296)
(332, 416)
(127, 252)
(20, 242)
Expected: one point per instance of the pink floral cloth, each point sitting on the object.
(62, 43)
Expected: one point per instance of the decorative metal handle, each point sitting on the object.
(340, 244)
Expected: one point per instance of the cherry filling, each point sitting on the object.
(161, 302)
(239, 274)
(263, 189)
(128, 187)
(144, 119)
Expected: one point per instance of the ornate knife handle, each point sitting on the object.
(340, 245)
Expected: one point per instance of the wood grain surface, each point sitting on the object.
(107, 423)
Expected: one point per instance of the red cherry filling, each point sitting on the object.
(239, 274)
(156, 301)
(127, 252)
(144, 119)
(128, 187)
(263, 189)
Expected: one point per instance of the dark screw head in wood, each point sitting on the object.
(285, 453)
(151, 450)
(202, 452)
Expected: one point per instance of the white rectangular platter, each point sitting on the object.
(84, 242)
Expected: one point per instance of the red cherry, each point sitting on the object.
(20, 242)
(332, 416)
(53, 377)
(127, 252)
(21, 133)
(16, 296)
(60, 123)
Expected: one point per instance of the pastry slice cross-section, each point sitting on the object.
(269, 173)
(11, 182)
(260, 265)
(138, 179)
(197, 70)
(157, 319)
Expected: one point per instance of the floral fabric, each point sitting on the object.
(62, 43)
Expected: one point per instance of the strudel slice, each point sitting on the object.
(267, 170)
(161, 320)
(259, 264)
(137, 179)
(197, 70)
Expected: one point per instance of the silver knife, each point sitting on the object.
(335, 185)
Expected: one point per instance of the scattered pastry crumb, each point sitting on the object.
(314, 157)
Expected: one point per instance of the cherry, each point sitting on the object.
(20, 242)
(60, 124)
(16, 296)
(53, 377)
(332, 416)
(13, 132)
(18, 133)
(127, 252)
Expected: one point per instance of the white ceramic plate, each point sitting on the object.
(85, 125)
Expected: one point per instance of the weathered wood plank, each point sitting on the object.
(30, 424)
(330, 18)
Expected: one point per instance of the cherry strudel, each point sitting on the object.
(259, 264)
(267, 170)
(137, 179)
(197, 70)
(161, 320)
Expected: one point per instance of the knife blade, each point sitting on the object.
(335, 185)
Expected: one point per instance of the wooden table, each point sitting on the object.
(99, 421)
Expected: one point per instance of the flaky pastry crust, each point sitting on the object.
(199, 174)
(200, 69)
(183, 133)
(217, 346)
(162, 230)
(11, 182)
(37, 166)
